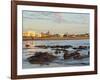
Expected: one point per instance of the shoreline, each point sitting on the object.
(76, 38)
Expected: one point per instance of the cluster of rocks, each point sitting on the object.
(63, 47)
(54, 46)
(67, 55)
(45, 57)
(75, 55)
(81, 47)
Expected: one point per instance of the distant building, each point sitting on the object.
(45, 34)
(38, 35)
(29, 33)
(33, 34)
(61, 35)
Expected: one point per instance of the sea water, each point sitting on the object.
(59, 62)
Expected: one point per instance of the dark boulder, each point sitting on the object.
(82, 47)
(77, 55)
(42, 46)
(66, 55)
(41, 58)
(57, 51)
(67, 46)
(75, 48)
(27, 45)
(88, 53)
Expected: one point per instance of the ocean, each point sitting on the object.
(60, 61)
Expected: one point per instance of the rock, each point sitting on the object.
(77, 55)
(27, 45)
(57, 51)
(66, 55)
(42, 46)
(82, 47)
(88, 53)
(74, 55)
(41, 58)
(75, 48)
(65, 51)
(67, 46)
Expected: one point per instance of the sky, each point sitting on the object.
(55, 22)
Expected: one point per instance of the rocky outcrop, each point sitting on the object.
(54, 46)
(42, 46)
(41, 58)
(80, 48)
(74, 55)
(83, 47)
(77, 55)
